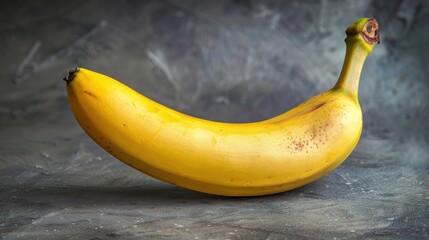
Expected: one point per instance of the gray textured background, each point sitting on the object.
(222, 60)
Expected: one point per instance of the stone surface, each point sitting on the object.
(222, 60)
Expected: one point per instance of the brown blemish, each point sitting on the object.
(90, 94)
(318, 106)
(311, 109)
(315, 107)
(298, 146)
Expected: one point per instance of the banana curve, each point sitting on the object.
(247, 156)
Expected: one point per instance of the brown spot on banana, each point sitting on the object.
(90, 94)
(298, 146)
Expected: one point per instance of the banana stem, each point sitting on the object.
(352, 68)
(362, 36)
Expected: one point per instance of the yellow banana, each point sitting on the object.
(233, 159)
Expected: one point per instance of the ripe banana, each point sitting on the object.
(232, 159)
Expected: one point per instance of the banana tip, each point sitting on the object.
(71, 75)
(370, 32)
(367, 28)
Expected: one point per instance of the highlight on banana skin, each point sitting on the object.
(231, 159)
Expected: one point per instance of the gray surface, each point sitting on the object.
(223, 60)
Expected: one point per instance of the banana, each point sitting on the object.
(231, 159)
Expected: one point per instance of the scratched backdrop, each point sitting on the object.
(223, 60)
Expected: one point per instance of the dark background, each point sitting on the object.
(222, 60)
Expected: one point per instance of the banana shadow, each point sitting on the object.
(147, 195)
